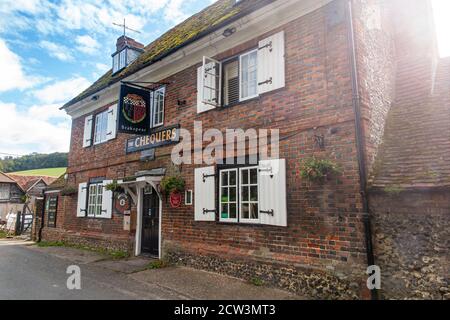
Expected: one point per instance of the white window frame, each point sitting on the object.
(116, 63)
(241, 98)
(103, 127)
(236, 202)
(154, 104)
(122, 59)
(94, 200)
(249, 185)
(186, 202)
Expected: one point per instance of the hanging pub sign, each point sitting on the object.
(134, 110)
(157, 138)
(122, 203)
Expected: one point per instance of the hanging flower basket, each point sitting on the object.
(172, 184)
(114, 187)
(318, 170)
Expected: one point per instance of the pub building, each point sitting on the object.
(290, 65)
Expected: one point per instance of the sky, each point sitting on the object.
(51, 50)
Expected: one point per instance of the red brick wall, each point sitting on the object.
(324, 224)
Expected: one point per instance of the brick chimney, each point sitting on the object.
(127, 50)
(123, 41)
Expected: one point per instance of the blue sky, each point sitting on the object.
(52, 50)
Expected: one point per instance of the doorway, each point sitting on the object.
(150, 223)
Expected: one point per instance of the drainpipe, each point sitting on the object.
(360, 143)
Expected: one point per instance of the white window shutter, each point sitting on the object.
(201, 107)
(212, 82)
(272, 192)
(205, 194)
(82, 199)
(112, 123)
(271, 64)
(87, 136)
(107, 201)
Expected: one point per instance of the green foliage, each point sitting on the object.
(174, 183)
(34, 161)
(257, 281)
(393, 190)
(50, 172)
(317, 170)
(157, 264)
(24, 198)
(68, 191)
(114, 254)
(46, 244)
(114, 187)
(3, 234)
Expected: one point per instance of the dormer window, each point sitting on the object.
(127, 51)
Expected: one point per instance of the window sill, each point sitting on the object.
(243, 224)
(95, 218)
(241, 102)
(103, 142)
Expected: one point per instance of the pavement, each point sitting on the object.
(40, 273)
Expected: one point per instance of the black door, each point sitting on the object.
(150, 224)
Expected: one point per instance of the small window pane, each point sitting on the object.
(244, 176)
(253, 193)
(254, 211)
(224, 211)
(224, 178)
(233, 211)
(245, 194)
(225, 195)
(232, 194)
(232, 178)
(253, 176)
(245, 211)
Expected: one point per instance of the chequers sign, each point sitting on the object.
(157, 138)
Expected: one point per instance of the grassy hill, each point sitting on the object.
(51, 172)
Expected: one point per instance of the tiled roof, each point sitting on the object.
(416, 148)
(5, 179)
(57, 184)
(26, 182)
(206, 21)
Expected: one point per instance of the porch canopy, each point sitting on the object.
(133, 184)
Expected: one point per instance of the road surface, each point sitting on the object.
(32, 275)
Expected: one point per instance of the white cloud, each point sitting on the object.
(91, 15)
(34, 134)
(87, 44)
(102, 67)
(174, 13)
(61, 91)
(57, 51)
(12, 75)
(47, 112)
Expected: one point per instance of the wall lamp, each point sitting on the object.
(229, 31)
